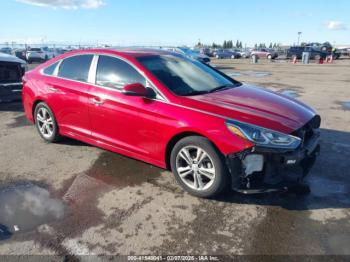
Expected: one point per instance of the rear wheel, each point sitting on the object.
(46, 124)
(198, 167)
(269, 57)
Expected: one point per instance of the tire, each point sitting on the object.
(212, 162)
(217, 57)
(47, 118)
(317, 57)
(269, 57)
(233, 57)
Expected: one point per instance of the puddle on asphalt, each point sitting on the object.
(19, 121)
(345, 105)
(121, 171)
(290, 93)
(256, 74)
(26, 206)
(323, 187)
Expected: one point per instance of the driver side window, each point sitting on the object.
(115, 73)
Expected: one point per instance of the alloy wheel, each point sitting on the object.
(45, 122)
(195, 168)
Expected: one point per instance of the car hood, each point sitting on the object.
(10, 58)
(254, 105)
(199, 56)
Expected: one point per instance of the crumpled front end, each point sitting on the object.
(259, 169)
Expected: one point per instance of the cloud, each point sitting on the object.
(66, 4)
(336, 25)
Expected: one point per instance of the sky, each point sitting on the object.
(174, 22)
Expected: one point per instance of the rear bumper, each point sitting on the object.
(280, 169)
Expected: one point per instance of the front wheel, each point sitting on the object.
(198, 167)
(46, 124)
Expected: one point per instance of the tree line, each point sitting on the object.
(228, 44)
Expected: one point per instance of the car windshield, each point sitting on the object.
(188, 51)
(186, 77)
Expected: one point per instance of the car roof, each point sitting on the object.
(126, 52)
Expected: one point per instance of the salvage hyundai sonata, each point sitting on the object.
(168, 110)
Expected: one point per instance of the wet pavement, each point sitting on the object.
(25, 206)
(290, 93)
(72, 198)
(345, 105)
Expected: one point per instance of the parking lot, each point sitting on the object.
(72, 198)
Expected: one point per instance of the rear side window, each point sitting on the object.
(76, 68)
(115, 73)
(51, 69)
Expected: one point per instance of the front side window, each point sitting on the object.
(185, 77)
(76, 68)
(115, 73)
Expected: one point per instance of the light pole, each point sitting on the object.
(299, 35)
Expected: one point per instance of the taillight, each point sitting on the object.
(24, 79)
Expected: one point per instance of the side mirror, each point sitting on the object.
(138, 89)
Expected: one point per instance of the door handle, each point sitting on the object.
(53, 89)
(97, 101)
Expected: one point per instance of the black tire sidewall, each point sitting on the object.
(55, 136)
(221, 173)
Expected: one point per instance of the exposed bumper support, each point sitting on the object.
(279, 171)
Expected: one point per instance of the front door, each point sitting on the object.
(126, 122)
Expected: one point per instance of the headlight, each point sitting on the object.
(262, 136)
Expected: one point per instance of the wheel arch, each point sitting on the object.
(36, 102)
(176, 138)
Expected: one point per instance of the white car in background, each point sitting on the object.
(39, 54)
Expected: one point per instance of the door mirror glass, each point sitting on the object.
(138, 89)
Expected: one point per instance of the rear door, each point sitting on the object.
(68, 91)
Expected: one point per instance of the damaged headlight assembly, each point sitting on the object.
(263, 137)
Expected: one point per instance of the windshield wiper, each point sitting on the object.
(220, 88)
(195, 93)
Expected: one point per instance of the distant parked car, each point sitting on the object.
(39, 55)
(11, 71)
(6, 50)
(326, 49)
(20, 53)
(226, 54)
(194, 54)
(243, 53)
(315, 52)
(264, 53)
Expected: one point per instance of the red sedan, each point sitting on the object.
(162, 108)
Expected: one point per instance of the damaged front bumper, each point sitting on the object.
(260, 170)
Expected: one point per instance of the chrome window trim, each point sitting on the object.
(113, 89)
(92, 74)
(93, 70)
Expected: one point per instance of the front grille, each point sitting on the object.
(308, 130)
(10, 73)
